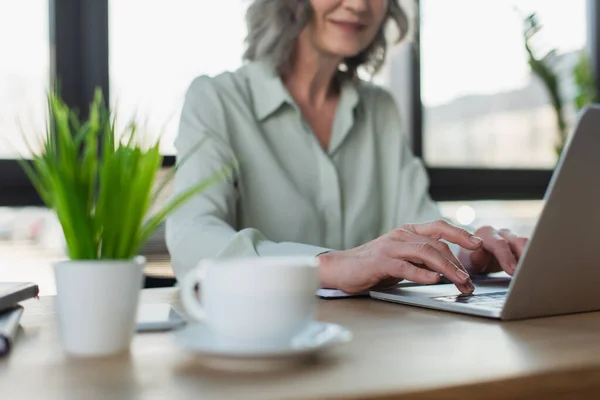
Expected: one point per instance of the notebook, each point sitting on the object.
(12, 293)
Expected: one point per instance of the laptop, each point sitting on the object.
(559, 271)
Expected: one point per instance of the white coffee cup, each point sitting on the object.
(256, 302)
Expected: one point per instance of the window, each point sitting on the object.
(24, 74)
(518, 216)
(482, 107)
(158, 48)
(500, 149)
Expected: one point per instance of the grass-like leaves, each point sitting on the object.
(102, 186)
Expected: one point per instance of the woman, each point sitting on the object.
(324, 168)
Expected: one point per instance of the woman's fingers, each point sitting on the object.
(443, 248)
(402, 269)
(516, 243)
(388, 283)
(443, 230)
(482, 262)
(501, 249)
(427, 254)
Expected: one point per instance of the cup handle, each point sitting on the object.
(188, 288)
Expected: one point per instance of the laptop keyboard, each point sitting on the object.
(488, 300)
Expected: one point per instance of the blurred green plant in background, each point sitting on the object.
(543, 66)
(585, 82)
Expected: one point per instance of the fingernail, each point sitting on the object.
(462, 275)
(468, 288)
(434, 276)
(476, 239)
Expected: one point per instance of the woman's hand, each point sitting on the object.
(501, 250)
(412, 251)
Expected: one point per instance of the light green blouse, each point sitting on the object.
(287, 196)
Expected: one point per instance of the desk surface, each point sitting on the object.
(397, 352)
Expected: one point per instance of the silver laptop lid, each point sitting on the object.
(559, 272)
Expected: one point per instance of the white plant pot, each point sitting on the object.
(97, 304)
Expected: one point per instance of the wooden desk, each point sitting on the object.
(398, 352)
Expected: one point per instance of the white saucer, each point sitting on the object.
(317, 337)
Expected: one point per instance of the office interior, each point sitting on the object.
(475, 112)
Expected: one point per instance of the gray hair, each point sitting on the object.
(274, 26)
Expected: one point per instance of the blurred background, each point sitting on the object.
(474, 111)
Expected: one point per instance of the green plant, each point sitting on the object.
(585, 82)
(101, 185)
(542, 67)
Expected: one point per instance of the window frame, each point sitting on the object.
(78, 37)
(79, 48)
(451, 184)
